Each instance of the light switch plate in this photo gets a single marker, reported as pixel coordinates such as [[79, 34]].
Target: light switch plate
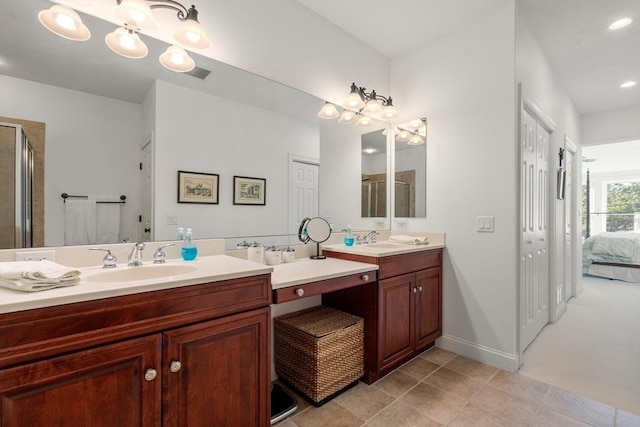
[[172, 220], [484, 224], [35, 255]]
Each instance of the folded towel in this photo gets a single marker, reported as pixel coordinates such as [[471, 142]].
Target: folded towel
[[40, 275], [413, 240]]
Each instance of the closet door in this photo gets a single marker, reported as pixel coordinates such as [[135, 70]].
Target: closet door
[[534, 223]]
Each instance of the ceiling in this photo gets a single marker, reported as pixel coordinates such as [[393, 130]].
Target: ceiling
[[590, 60]]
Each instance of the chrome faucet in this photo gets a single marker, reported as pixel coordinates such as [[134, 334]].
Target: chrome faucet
[[109, 260], [135, 257], [159, 255], [371, 237]]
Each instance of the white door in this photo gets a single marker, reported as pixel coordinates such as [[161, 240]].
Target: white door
[[303, 191], [145, 225], [534, 222]]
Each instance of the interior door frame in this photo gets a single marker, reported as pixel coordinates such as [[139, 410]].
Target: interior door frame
[[150, 142], [576, 259]]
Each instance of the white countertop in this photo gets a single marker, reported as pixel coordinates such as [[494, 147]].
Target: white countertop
[[312, 270], [209, 269], [383, 248]]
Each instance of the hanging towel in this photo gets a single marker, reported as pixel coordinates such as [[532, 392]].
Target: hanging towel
[[107, 219], [413, 240], [30, 276], [79, 222]]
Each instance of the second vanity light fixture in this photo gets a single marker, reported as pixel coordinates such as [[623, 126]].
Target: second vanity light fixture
[[136, 16], [413, 132], [356, 104]]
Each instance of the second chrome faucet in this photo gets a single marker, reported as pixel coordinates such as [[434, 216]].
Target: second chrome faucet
[[135, 257]]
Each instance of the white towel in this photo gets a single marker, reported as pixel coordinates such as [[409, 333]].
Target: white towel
[[413, 240], [79, 222], [107, 219], [30, 276]]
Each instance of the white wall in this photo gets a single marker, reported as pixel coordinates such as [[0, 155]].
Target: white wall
[[618, 125], [91, 147], [540, 84], [464, 84], [198, 132]]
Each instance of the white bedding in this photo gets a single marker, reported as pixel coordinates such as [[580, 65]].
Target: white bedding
[[621, 247]]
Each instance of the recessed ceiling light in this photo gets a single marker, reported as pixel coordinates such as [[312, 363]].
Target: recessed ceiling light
[[628, 84], [620, 23]]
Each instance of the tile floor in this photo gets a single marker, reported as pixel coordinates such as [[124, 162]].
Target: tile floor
[[440, 388]]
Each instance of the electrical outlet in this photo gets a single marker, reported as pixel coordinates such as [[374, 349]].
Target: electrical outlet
[[35, 255]]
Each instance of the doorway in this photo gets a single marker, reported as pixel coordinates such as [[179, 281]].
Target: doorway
[[303, 190]]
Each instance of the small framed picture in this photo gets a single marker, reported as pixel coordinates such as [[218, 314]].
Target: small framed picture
[[196, 187], [249, 191]]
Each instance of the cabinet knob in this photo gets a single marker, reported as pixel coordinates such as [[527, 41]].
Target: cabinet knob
[[420, 288], [175, 366], [365, 277], [150, 374], [299, 292], [415, 290]]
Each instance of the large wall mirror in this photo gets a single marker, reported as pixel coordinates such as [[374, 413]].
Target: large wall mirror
[[103, 115], [374, 191]]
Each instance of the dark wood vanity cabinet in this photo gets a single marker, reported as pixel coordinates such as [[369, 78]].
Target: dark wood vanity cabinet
[[402, 312], [196, 356]]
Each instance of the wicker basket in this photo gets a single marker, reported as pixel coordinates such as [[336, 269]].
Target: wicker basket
[[319, 351]]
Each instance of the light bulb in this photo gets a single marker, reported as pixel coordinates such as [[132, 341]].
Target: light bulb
[[347, 117], [177, 59], [328, 111], [620, 23], [415, 140], [126, 43], [64, 22], [372, 106], [364, 121]]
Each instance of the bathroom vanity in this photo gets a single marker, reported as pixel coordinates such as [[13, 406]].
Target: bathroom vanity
[[402, 310], [157, 350]]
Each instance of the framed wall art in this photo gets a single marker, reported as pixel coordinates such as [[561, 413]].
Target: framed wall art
[[197, 187], [249, 191]]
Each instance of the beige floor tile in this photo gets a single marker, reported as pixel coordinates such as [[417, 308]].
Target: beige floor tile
[[625, 419], [400, 414], [505, 404], [396, 383], [472, 368], [419, 367], [438, 355], [520, 385], [454, 382], [436, 403], [364, 401], [473, 416], [580, 407], [548, 417], [329, 415]]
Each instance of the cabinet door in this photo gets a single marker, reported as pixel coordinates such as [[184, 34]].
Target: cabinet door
[[104, 386], [395, 319], [217, 373], [428, 306]]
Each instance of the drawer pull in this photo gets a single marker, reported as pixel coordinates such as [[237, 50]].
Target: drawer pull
[[150, 374], [175, 366], [300, 292], [365, 277]]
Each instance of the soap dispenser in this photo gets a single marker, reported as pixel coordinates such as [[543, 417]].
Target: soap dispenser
[[348, 239], [189, 249]]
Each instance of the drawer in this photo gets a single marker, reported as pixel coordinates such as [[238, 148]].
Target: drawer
[[310, 289], [395, 265]]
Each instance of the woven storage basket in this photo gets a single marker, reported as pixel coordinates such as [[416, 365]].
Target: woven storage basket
[[319, 351]]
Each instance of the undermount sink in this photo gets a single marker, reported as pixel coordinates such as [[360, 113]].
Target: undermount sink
[[145, 272]]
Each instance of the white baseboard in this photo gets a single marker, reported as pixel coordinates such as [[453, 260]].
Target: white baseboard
[[490, 356]]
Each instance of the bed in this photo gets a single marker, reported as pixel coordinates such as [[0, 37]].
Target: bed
[[615, 255]]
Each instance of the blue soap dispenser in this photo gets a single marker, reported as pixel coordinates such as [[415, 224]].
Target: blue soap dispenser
[[189, 249], [348, 239]]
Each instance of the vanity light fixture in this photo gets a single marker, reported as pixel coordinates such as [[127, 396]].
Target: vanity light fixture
[[137, 16], [413, 132], [357, 103]]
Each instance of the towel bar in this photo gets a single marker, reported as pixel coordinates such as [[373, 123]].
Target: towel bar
[[65, 196]]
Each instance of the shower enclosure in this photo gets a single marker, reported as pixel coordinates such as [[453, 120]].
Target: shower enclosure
[[16, 187]]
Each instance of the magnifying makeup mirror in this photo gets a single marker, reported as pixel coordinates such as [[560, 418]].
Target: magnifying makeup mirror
[[317, 230]]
